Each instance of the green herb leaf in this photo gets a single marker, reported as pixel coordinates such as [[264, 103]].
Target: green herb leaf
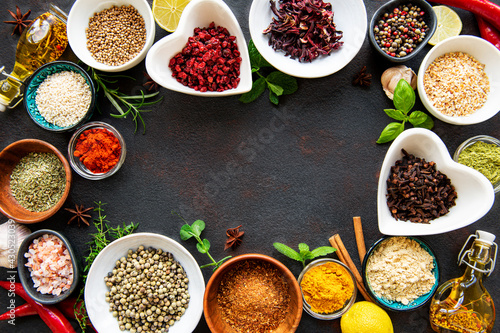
[[421, 119], [258, 88], [256, 59], [204, 246], [395, 114], [303, 247], [428, 123], [286, 82], [287, 251], [277, 90], [390, 132], [404, 96], [198, 226], [273, 98], [186, 232], [323, 251]]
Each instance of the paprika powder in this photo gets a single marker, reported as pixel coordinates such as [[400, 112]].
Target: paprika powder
[[98, 149]]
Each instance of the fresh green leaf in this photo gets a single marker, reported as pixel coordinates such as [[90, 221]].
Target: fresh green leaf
[[322, 251], [204, 246], [287, 251], [307, 255], [186, 232], [395, 114], [198, 226], [273, 98], [277, 90], [303, 247], [390, 132], [285, 81], [258, 88], [428, 123], [417, 117], [256, 59], [404, 96]]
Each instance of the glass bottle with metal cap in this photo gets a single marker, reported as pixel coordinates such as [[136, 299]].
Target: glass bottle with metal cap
[[468, 307], [43, 41]]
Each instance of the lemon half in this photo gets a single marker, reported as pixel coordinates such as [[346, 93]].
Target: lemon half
[[167, 13], [448, 24], [366, 317]]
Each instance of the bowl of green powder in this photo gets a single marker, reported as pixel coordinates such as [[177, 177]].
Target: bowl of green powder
[[481, 152], [34, 182]]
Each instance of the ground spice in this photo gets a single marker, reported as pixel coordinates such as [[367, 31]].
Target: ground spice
[[484, 157], [327, 287], [253, 297], [38, 181], [98, 149]]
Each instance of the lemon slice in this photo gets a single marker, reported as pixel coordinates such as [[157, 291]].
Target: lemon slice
[[167, 13], [448, 24]]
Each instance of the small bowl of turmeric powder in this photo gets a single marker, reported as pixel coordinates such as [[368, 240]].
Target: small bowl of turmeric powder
[[328, 288], [482, 153], [96, 150]]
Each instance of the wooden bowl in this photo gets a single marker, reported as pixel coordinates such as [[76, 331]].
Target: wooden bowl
[[212, 311], [9, 157]]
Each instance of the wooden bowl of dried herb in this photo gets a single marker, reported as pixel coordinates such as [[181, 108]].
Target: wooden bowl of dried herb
[[34, 182], [252, 292]]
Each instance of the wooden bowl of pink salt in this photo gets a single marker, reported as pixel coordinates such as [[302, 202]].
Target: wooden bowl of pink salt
[[47, 266]]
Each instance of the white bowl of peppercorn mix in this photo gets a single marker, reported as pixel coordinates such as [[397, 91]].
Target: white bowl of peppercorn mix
[[120, 286], [207, 55], [111, 36], [436, 195], [349, 23], [400, 29], [459, 80]]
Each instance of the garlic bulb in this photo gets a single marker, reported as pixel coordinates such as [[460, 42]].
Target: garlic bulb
[[12, 235], [391, 76]]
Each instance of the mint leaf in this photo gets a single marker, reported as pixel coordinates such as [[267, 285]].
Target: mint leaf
[[391, 132], [256, 59], [287, 251], [323, 251], [303, 247], [258, 88], [395, 114], [275, 88], [404, 96], [287, 82], [273, 97]]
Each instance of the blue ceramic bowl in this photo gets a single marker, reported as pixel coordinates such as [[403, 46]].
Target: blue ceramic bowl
[[38, 77], [393, 305]]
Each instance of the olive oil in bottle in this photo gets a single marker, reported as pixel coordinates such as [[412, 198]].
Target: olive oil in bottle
[[43, 41], [468, 307]]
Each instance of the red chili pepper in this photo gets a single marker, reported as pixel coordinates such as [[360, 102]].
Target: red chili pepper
[[49, 313], [19, 311], [488, 32], [484, 8]]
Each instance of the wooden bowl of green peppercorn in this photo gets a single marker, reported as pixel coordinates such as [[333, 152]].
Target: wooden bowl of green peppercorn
[[35, 180]]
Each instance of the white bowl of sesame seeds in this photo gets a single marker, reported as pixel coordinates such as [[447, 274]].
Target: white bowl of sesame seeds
[[459, 80], [111, 36]]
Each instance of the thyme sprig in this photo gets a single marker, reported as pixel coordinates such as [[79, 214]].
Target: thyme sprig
[[104, 235], [124, 104]]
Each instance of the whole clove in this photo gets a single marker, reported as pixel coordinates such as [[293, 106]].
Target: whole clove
[[417, 191], [304, 29]]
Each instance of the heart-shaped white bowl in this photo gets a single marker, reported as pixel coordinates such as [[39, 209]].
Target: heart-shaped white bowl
[[349, 17], [198, 14], [475, 195]]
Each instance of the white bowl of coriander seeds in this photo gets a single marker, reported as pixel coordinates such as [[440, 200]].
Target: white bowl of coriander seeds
[[111, 36]]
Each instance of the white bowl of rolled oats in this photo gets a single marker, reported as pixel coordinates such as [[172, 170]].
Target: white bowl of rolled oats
[[459, 80], [111, 36]]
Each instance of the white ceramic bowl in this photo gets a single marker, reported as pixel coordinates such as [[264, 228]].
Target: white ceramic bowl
[[198, 14], [78, 21], [349, 17], [95, 288], [475, 195], [484, 52]]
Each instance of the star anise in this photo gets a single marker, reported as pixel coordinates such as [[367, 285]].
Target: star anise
[[21, 20], [362, 78], [234, 237], [79, 214], [150, 84]]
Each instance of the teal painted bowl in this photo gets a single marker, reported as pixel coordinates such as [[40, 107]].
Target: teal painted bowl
[[394, 305], [38, 77]]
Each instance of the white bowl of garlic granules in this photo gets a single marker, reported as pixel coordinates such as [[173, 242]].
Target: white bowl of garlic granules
[[459, 80], [111, 36], [400, 273]]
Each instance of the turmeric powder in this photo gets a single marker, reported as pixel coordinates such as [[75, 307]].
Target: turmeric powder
[[327, 287]]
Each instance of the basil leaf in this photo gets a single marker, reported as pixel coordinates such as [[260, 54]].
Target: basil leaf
[[258, 88], [256, 59], [404, 96], [428, 123], [186, 232], [303, 247], [391, 132], [395, 114], [417, 117], [322, 251], [275, 88], [198, 226], [287, 251], [287, 82], [273, 97]]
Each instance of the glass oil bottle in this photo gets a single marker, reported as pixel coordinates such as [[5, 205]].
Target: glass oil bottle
[[43, 41], [469, 307]]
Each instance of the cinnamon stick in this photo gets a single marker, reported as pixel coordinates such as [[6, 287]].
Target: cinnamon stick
[[360, 239], [336, 242]]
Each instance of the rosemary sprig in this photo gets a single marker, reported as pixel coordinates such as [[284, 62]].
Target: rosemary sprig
[[123, 103], [104, 235]]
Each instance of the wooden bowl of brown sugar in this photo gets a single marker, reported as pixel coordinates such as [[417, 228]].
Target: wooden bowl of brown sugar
[[252, 292], [42, 177]]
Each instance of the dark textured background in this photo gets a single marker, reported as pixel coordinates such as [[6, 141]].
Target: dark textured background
[[228, 163]]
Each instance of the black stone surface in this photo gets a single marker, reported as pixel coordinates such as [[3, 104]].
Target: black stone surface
[[292, 173]]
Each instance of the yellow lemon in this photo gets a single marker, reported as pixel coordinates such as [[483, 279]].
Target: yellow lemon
[[366, 317], [167, 13], [448, 24]]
